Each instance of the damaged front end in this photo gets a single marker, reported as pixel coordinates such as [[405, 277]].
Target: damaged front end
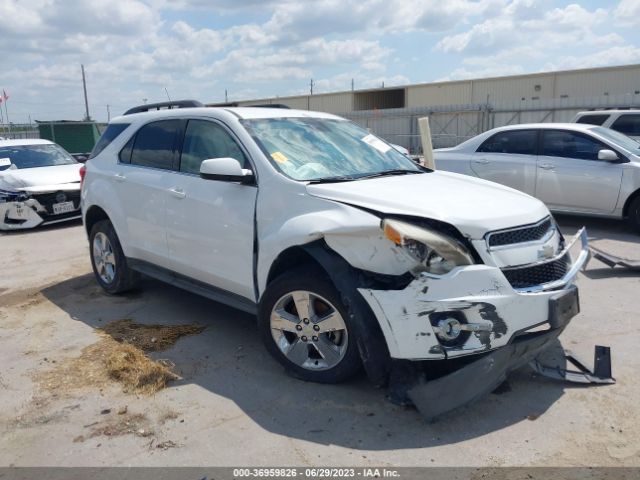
[[21, 210], [460, 326]]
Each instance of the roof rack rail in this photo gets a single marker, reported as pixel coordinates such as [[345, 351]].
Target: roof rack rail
[[168, 105], [269, 105]]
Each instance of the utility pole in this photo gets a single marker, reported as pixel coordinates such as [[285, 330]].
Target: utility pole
[[108, 114], [87, 118], [311, 86], [352, 84], [6, 111], [226, 97]]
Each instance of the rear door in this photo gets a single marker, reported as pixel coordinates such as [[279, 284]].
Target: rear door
[[509, 158], [210, 223], [141, 181], [570, 176]]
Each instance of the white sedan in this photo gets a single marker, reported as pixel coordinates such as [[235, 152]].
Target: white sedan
[[39, 183], [573, 168]]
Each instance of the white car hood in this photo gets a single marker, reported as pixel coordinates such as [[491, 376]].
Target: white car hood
[[41, 179], [474, 206]]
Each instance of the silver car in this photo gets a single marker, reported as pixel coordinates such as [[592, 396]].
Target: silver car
[[573, 168]]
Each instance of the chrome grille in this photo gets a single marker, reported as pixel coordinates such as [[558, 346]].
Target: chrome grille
[[529, 233], [534, 275]]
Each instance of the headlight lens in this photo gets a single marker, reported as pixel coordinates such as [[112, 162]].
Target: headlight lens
[[437, 253]]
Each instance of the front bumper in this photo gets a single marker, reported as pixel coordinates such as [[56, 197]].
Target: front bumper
[[30, 211], [481, 297]]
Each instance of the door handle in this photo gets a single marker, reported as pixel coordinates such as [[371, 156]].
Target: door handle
[[177, 192], [547, 166], [482, 162], [119, 177]]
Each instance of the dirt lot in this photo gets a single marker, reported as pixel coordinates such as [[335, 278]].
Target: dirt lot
[[232, 404]]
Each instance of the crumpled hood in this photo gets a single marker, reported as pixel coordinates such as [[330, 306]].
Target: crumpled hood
[[41, 179], [472, 205]]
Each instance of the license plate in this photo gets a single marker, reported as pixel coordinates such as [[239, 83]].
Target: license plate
[[64, 207], [563, 307]]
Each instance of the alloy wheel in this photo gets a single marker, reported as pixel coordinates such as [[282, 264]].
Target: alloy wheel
[[309, 330]]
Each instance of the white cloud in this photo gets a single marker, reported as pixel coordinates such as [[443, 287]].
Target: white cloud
[[628, 13], [133, 49]]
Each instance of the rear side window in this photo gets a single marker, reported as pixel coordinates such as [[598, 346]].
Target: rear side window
[[558, 143], [522, 142], [204, 140], [628, 124], [154, 144], [593, 119], [109, 135]]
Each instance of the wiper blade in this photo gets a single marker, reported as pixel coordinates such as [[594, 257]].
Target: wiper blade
[[390, 172], [333, 179]]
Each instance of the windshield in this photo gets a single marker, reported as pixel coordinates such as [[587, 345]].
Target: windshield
[[618, 138], [32, 156], [320, 148]]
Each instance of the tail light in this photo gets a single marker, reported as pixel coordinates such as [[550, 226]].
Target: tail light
[[83, 172]]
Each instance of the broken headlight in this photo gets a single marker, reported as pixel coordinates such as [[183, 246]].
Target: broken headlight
[[435, 252]]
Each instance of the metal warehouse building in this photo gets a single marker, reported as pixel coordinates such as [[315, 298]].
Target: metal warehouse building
[[461, 109]]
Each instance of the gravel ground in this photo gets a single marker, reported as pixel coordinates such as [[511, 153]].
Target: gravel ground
[[234, 406]]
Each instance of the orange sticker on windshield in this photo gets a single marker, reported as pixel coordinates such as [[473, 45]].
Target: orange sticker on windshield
[[279, 157]]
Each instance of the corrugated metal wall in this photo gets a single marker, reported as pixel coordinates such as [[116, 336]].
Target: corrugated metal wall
[[438, 94], [597, 82], [519, 88], [332, 103]]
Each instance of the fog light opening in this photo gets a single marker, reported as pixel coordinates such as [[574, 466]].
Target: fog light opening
[[449, 329]]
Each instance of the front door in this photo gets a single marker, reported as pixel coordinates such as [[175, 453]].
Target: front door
[[570, 176], [210, 223]]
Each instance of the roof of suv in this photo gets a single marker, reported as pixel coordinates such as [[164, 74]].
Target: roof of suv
[[559, 126], [607, 112], [240, 112]]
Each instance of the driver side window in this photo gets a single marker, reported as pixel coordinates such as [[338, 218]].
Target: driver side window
[[559, 143], [204, 140]]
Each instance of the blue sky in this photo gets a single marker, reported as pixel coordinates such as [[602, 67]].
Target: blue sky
[[134, 49]]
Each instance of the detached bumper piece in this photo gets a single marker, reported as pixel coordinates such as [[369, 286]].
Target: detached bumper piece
[[433, 398], [613, 261], [560, 364]]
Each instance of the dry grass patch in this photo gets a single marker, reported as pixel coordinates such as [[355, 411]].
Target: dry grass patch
[[120, 356], [150, 338]]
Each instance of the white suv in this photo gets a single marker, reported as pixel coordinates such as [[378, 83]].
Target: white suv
[[349, 253], [623, 121]]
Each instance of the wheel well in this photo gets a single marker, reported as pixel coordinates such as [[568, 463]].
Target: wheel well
[[93, 216], [291, 258], [627, 204]]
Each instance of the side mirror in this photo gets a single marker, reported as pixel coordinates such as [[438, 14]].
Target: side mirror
[[608, 156], [225, 169]]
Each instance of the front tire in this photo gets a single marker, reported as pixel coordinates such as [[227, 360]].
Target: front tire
[[305, 326], [108, 261], [634, 214]]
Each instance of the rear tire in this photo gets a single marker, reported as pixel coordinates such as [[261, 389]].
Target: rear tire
[[634, 214], [108, 261], [306, 327]]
